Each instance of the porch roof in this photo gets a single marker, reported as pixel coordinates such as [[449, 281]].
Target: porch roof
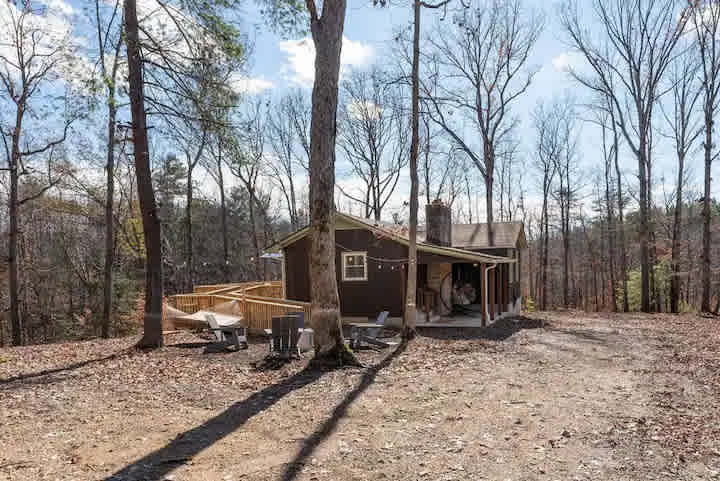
[[398, 234]]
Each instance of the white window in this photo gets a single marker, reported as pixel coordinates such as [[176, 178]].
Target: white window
[[354, 266]]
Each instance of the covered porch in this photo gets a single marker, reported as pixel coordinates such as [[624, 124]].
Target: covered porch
[[466, 294]]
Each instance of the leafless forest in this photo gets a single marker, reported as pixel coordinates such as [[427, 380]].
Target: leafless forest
[[137, 164]]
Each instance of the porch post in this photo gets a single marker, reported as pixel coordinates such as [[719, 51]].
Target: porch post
[[508, 300], [483, 300], [403, 276], [507, 286], [284, 276], [491, 294], [500, 289]]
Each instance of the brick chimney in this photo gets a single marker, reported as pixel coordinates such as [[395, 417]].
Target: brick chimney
[[438, 224]]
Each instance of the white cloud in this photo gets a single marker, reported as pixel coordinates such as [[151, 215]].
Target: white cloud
[[48, 35], [364, 110], [301, 57], [702, 21], [58, 7], [356, 53], [563, 62], [250, 85]]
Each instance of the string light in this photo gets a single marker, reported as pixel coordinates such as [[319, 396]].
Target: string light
[[376, 259], [379, 260]]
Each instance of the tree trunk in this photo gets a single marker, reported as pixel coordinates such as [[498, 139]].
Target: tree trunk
[[621, 227], [223, 219], [253, 225], [643, 230], [410, 314], [690, 258], [293, 204], [15, 321], [531, 283], [544, 234], [544, 268], [566, 248], [189, 262], [489, 180], [109, 220], [327, 36], [655, 302], [707, 215], [675, 254], [566, 269], [152, 334], [611, 229]]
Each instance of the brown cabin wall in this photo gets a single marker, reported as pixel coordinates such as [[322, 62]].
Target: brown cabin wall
[[297, 270], [383, 291]]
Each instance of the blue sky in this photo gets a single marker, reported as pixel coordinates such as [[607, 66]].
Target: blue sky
[[369, 28], [281, 63]]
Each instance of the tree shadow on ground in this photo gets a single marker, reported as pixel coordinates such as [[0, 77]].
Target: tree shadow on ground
[[497, 331], [58, 370], [587, 334], [156, 465], [209, 347], [328, 427]]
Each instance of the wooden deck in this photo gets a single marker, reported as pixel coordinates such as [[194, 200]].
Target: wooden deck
[[257, 302]]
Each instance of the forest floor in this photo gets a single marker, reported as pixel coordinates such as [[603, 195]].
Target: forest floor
[[555, 396]]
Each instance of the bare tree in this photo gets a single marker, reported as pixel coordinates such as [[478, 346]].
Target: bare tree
[[327, 30], [373, 136], [31, 57], [286, 132], [167, 61], [615, 151], [602, 118], [410, 311], [628, 65], [214, 164], [508, 164], [109, 38], [483, 61], [608, 153], [299, 110], [246, 163], [441, 168], [435, 165], [193, 148], [152, 326], [568, 185], [684, 124], [550, 144], [706, 23]]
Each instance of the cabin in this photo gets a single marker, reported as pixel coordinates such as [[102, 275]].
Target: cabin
[[462, 273]]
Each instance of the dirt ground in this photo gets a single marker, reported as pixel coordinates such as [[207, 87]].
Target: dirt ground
[[556, 396]]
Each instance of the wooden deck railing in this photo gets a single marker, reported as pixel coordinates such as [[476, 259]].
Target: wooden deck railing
[[191, 303], [265, 290], [240, 286], [213, 287], [258, 303], [259, 311]]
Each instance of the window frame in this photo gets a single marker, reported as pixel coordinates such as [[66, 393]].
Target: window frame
[[344, 257]]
